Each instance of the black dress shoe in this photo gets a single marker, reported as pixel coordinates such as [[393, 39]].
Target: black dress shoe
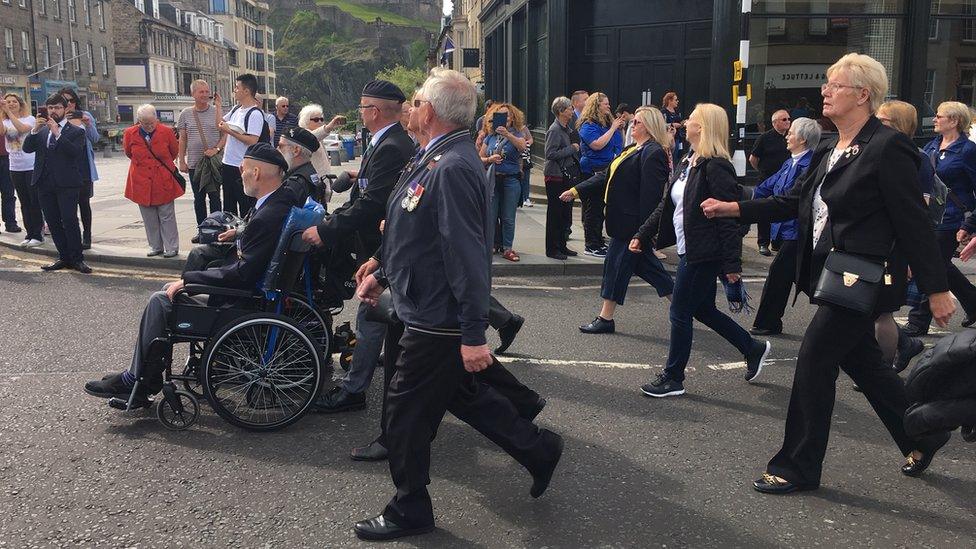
[[14, 229], [968, 321], [82, 267], [757, 331], [374, 451], [769, 484], [764, 251], [540, 405], [540, 480], [195, 239], [56, 266], [380, 528], [339, 400], [915, 468], [599, 325], [558, 255], [903, 357], [569, 252], [110, 386], [508, 332], [915, 331]]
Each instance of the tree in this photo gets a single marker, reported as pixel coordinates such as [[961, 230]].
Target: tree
[[407, 79]]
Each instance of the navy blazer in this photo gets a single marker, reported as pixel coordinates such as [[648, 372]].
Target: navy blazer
[[65, 165], [779, 184]]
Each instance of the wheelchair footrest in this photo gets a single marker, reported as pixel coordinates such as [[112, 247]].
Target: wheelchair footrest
[[123, 404]]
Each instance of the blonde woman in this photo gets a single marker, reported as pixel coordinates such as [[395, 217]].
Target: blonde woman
[[707, 248], [632, 188], [600, 143], [17, 124]]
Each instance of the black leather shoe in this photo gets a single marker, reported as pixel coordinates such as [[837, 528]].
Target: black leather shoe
[[110, 386], [82, 267], [540, 405], [340, 400], [380, 528], [915, 331], [508, 332], [764, 251], [569, 252], [913, 346], [14, 229], [915, 468], [540, 480], [56, 266], [558, 255], [599, 325], [769, 484], [757, 331], [374, 451], [968, 321]]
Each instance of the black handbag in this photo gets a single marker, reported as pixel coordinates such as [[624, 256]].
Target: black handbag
[[180, 180], [852, 281]]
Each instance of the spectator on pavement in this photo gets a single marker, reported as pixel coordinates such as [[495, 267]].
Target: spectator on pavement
[[312, 119], [244, 126], [675, 119], [600, 142], [152, 149], [201, 141], [86, 121], [501, 154], [768, 155], [561, 172], [627, 112], [17, 123]]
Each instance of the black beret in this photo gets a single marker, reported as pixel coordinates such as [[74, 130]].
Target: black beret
[[301, 136], [381, 89], [264, 152]]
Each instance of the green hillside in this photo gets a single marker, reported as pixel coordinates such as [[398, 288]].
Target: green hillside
[[370, 13]]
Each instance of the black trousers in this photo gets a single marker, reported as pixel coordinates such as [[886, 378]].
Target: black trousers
[[498, 315], [30, 206], [959, 285], [8, 195], [836, 339], [85, 211], [763, 230], [235, 201], [430, 379], [559, 214], [60, 207], [593, 217], [776, 290]]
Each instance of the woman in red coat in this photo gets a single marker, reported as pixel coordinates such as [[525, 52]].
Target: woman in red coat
[[152, 147]]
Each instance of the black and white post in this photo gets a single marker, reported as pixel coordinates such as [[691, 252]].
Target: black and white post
[[741, 89]]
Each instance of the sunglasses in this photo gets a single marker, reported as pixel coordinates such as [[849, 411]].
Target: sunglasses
[[317, 119]]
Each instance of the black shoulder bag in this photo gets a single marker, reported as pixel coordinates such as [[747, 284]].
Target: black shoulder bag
[[852, 281]]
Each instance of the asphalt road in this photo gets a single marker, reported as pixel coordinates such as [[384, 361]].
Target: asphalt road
[[636, 472]]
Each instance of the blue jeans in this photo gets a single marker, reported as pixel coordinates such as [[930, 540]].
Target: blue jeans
[[694, 297], [621, 264], [200, 199], [526, 174], [508, 189]]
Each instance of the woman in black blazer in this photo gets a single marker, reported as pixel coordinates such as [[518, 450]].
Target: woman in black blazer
[[860, 196], [632, 186], [707, 248]]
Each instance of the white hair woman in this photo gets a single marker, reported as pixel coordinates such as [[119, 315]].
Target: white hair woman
[[859, 196], [561, 171], [153, 149], [311, 118]]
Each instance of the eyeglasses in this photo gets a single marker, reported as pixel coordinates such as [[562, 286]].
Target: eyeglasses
[[418, 102], [834, 87], [362, 107], [317, 119]]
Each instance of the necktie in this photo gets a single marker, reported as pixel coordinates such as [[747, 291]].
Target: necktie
[[369, 149]]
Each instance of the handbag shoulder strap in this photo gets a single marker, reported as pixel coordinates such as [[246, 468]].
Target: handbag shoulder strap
[[203, 138], [149, 148]]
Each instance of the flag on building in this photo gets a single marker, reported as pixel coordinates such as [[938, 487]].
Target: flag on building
[[448, 51]]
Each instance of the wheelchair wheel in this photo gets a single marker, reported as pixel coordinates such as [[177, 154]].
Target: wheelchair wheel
[[968, 433], [308, 317], [174, 419], [261, 372]]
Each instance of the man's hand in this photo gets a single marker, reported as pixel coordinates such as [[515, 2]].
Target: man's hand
[[224, 128], [227, 235], [942, 306], [635, 246], [967, 253], [174, 287], [476, 358], [567, 196], [715, 208], [733, 277], [366, 269], [209, 153], [54, 128], [311, 236], [576, 146], [369, 291], [962, 235], [382, 226], [183, 166], [39, 123]]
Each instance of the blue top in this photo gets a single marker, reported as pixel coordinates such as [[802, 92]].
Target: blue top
[[512, 158], [956, 166], [780, 184], [592, 161], [91, 132]]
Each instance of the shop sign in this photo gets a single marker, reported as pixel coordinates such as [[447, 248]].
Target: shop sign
[[795, 76]]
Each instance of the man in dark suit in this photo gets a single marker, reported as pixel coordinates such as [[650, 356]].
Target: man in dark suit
[[60, 160], [262, 171], [358, 220]]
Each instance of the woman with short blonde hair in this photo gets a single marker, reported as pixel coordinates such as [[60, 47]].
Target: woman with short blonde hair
[[864, 72], [899, 115], [17, 125]]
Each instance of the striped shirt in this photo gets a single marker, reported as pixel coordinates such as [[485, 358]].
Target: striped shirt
[[194, 145]]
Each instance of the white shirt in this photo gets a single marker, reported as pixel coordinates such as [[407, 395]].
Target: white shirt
[[820, 212], [234, 149], [19, 160], [376, 136], [260, 202], [51, 136], [678, 219], [796, 157]]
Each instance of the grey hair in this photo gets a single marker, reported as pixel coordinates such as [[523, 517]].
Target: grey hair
[[303, 151], [280, 100], [195, 85], [144, 111], [307, 112], [560, 104], [452, 96], [808, 130]]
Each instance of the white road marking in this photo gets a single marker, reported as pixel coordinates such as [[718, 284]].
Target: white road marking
[[556, 362], [742, 365], [577, 288]]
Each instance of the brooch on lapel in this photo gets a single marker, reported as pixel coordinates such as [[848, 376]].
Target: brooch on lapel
[[433, 163], [852, 150]]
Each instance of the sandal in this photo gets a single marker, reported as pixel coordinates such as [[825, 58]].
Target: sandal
[[511, 256]]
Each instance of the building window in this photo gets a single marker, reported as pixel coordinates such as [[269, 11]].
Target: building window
[[56, 4], [22, 3], [100, 10], [929, 86], [75, 55], [91, 59], [8, 46], [59, 44], [25, 47], [969, 24], [104, 52], [934, 21], [46, 52], [72, 11], [87, 7], [218, 6], [42, 7], [141, 5]]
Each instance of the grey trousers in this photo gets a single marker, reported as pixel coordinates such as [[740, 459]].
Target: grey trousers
[[152, 326], [160, 222], [369, 343]]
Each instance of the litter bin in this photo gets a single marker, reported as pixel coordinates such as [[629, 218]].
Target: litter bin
[[350, 146], [334, 157]]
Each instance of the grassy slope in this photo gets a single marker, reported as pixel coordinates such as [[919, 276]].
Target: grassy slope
[[369, 14]]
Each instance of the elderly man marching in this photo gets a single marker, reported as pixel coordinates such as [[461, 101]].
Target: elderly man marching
[[436, 259]]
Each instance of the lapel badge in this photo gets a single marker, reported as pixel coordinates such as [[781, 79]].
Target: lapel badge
[[852, 150]]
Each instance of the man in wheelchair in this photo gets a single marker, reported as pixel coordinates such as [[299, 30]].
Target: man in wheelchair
[[262, 171]]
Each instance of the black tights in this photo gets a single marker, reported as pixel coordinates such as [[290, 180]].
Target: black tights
[[84, 208]]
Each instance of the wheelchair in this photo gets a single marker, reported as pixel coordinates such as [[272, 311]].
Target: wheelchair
[[257, 358]]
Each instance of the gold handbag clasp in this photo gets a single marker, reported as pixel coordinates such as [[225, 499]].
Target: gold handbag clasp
[[850, 279]]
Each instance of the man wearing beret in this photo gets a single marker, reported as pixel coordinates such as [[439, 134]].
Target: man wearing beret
[[262, 171], [386, 155], [297, 145]]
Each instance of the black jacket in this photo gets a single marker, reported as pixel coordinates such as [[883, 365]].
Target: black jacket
[[942, 387], [301, 182], [874, 201], [64, 166], [705, 239], [634, 191], [362, 214], [255, 246]]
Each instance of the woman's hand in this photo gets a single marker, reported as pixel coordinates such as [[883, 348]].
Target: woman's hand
[[962, 235], [617, 123], [716, 208], [733, 277], [568, 196], [942, 306], [503, 131], [495, 159], [635, 246], [967, 253]]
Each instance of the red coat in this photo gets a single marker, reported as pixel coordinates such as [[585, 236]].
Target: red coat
[[149, 183]]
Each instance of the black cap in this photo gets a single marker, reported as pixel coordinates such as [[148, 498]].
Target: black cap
[[381, 89], [264, 152], [301, 136]]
